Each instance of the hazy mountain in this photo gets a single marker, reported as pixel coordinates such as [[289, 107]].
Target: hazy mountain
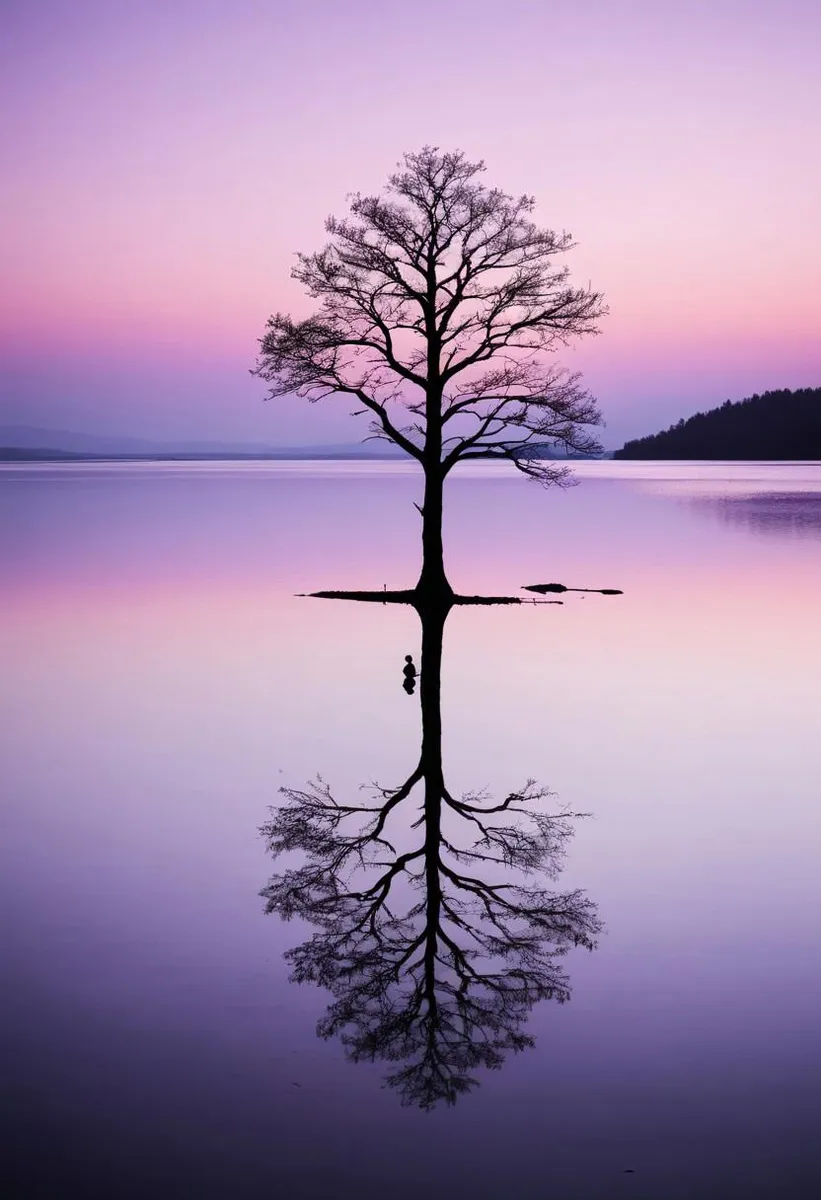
[[39, 442], [21, 442], [30, 437]]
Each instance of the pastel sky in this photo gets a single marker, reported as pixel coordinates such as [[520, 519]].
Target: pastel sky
[[163, 159]]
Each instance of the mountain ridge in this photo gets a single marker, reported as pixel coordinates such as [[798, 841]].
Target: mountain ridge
[[31, 443]]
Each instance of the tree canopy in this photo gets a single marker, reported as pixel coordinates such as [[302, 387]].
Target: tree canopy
[[441, 305]]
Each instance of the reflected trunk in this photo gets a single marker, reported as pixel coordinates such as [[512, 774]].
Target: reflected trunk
[[434, 946]]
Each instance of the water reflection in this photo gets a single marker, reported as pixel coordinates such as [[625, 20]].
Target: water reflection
[[409, 675], [790, 514], [435, 930]]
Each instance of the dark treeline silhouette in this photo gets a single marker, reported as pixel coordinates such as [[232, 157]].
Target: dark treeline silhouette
[[435, 930], [773, 425]]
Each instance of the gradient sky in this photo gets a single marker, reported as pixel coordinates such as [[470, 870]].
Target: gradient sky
[[162, 161]]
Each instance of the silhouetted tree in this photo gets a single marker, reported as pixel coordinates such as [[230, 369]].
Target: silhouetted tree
[[440, 301], [435, 950]]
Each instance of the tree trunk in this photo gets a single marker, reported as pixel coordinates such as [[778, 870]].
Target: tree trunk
[[433, 586]]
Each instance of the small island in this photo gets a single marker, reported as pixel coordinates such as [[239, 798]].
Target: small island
[[774, 425]]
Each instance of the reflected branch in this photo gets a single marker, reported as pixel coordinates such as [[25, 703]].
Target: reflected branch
[[434, 930]]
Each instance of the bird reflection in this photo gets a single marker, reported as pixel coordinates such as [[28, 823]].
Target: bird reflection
[[409, 673], [436, 930]]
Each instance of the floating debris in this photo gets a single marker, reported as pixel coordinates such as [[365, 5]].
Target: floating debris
[[560, 587]]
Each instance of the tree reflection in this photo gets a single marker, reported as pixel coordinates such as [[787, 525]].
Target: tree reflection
[[435, 930]]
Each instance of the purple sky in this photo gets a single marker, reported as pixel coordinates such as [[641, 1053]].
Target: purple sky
[[167, 157]]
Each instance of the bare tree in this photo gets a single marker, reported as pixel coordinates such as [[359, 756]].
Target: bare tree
[[441, 303]]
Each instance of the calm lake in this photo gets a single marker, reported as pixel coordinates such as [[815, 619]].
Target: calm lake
[[162, 681]]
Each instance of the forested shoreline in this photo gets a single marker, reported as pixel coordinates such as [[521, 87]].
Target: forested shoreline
[[782, 424]]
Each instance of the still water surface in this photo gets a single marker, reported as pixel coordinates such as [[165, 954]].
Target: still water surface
[[161, 682]]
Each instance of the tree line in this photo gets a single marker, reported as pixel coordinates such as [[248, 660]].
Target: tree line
[[782, 424]]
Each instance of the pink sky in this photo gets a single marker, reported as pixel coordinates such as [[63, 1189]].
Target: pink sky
[[166, 159]]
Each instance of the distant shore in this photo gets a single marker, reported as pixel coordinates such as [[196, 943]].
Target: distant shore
[[16, 455], [9, 457], [12, 454], [777, 426]]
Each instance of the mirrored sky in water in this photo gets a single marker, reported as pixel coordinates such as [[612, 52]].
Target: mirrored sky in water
[[162, 680]]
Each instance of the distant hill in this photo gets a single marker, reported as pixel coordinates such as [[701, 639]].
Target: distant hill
[[773, 425], [25, 443]]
